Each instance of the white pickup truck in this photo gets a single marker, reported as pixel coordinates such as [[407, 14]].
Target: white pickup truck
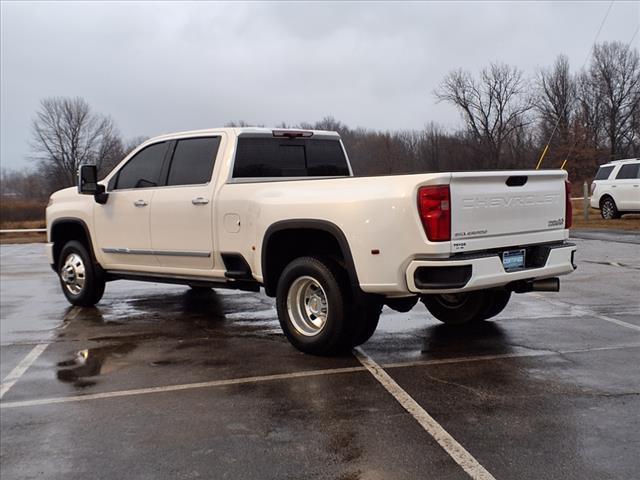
[[247, 208]]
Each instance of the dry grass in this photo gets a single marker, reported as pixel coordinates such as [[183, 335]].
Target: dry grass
[[20, 210], [24, 224], [628, 222], [19, 213], [22, 238]]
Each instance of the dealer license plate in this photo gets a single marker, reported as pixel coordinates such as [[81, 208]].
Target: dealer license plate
[[513, 260]]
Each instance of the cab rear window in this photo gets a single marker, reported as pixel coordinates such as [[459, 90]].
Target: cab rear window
[[260, 157]]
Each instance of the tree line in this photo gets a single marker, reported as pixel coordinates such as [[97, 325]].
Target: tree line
[[576, 119]]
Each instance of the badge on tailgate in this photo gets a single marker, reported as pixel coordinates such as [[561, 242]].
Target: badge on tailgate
[[513, 260]]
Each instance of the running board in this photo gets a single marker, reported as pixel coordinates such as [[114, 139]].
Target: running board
[[246, 285]]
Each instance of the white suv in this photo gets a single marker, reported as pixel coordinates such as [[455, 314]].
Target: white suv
[[616, 188]]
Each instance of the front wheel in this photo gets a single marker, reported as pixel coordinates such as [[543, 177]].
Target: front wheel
[[81, 280]]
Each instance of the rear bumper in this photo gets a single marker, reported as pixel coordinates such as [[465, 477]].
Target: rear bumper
[[482, 272]]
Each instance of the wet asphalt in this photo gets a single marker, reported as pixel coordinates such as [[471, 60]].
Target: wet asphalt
[[159, 382]]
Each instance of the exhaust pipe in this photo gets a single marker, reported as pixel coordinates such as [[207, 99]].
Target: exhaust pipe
[[544, 285]]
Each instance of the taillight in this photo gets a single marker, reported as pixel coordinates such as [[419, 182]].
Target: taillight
[[568, 216], [435, 212], [593, 188]]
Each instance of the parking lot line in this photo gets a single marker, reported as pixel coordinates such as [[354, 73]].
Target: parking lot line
[[588, 312], [500, 356], [311, 373], [15, 374], [450, 445], [185, 386], [70, 316], [614, 320]]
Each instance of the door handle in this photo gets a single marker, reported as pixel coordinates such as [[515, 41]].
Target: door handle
[[200, 201], [140, 203]]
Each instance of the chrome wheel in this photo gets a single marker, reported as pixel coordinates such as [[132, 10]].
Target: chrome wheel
[[307, 306], [73, 274]]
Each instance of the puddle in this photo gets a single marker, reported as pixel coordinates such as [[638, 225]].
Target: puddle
[[91, 363]]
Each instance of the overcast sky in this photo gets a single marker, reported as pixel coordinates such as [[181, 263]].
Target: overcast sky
[[163, 67]]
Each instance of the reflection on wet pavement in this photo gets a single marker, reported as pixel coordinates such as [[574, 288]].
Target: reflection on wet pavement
[[541, 413], [92, 362]]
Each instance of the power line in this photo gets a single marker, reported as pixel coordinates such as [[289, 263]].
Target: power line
[[564, 108], [634, 36], [627, 48]]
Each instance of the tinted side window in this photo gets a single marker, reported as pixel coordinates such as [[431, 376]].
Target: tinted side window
[[276, 157], [628, 171], [193, 160], [143, 170], [603, 173]]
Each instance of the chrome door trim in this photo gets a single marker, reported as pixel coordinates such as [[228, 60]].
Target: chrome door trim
[[168, 253]]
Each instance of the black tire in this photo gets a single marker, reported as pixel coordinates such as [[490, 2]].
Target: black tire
[[199, 288], [82, 281], [366, 314], [402, 305], [324, 276], [459, 308], [496, 303], [609, 209]]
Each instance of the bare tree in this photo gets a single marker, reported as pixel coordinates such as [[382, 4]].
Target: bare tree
[[23, 184], [555, 100], [66, 134], [588, 124], [615, 76], [111, 150], [493, 106], [133, 143], [431, 147]]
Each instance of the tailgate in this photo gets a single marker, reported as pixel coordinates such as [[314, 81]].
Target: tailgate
[[489, 204]]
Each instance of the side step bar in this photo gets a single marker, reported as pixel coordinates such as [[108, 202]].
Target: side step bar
[[246, 285]]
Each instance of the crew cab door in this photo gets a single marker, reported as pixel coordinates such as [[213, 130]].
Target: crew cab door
[[122, 223], [182, 211]]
